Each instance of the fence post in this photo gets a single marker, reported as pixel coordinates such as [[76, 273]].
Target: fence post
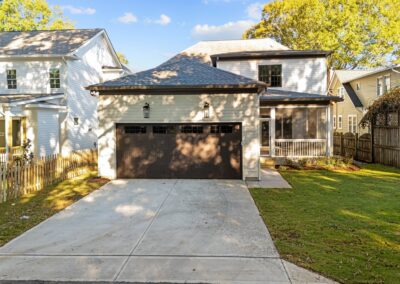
[[355, 147], [341, 144]]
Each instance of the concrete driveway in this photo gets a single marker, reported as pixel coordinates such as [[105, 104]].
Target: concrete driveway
[[150, 231]]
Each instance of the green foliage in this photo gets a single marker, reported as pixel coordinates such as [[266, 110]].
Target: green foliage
[[388, 102], [360, 33], [344, 225], [329, 163], [27, 15], [122, 58], [27, 155]]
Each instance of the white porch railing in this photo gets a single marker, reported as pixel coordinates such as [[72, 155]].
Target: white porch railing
[[300, 147]]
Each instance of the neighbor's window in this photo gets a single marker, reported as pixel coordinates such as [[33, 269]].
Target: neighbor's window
[[270, 74], [352, 127], [16, 132], [341, 92], [11, 79], [55, 78], [358, 86], [334, 122], [339, 121], [382, 85]]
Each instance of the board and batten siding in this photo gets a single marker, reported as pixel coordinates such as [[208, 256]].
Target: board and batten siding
[[299, 75], [243, 108], [80, 74]]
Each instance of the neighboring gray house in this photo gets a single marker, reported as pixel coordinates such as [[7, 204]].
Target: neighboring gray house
[[214, 111], [42, 94]]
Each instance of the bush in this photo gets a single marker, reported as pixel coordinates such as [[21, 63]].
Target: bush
[[320, 163]]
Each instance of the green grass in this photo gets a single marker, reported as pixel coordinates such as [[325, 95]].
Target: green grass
[[40, 205], [344, 225]]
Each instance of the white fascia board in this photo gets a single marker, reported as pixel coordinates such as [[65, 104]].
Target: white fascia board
[[40, 99], [46, 106]]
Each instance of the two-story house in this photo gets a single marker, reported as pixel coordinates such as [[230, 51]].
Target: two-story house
[[359, 89], [214, 110], [42, 94]]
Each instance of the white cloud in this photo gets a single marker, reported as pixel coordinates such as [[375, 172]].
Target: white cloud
[[230, 30], [254, 11], [128, 18], [79, 10], [162, 20]]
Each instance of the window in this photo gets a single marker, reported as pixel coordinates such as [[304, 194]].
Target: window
[[16, 132], [334, 122], [165, 129], [341, 92], [358, 86], [352, 123], [76, 120], [191, 129], [221, 129], [339, 121], [270, 74], [12, 79], [55, 78], [135, 129], [382, 85]]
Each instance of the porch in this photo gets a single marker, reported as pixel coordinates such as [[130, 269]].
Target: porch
[[12, 135], [295, 125]]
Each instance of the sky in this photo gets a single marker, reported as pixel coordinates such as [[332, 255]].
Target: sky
[[149, 32]]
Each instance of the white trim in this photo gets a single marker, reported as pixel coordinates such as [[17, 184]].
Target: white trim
[[40, 99], [340, 125], [300, 140], [37, 56], [353, 123], [46, 106], [272, 132]]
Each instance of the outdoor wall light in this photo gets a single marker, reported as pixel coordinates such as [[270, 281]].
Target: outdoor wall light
[[206, 110], [146, 110]]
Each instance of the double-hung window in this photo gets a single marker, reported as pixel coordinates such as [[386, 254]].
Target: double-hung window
[[270, 74], [11, 79], [334, 122], [339, 121], [352, 123], [55, 81], [382, 85]]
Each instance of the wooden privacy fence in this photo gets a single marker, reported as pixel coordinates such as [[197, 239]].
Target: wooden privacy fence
[[386, 145], [20, 177], [353, 146]]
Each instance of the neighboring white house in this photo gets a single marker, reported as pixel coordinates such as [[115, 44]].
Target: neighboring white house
[[214, 110], [42, 94]]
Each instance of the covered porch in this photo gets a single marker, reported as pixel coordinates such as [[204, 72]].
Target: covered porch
[[295, 125]]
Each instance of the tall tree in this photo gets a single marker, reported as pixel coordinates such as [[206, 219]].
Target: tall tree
[[361, 33], [26, 15]]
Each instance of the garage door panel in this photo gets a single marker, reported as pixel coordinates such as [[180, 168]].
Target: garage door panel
[[179, 151]]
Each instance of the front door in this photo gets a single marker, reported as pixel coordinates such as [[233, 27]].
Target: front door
[[265, 138]]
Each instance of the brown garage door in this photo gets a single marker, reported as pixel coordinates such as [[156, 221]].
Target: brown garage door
[[179, 151]]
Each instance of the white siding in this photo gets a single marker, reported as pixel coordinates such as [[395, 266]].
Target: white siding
[[32, 76], [299, 75], [82, 73], [242, 108], [48, 129]]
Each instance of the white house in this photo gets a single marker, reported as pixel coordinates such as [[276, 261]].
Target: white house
[[42, 94], [214, 111]]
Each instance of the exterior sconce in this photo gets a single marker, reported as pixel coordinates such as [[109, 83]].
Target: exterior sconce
[[146, 110], [206, 110]]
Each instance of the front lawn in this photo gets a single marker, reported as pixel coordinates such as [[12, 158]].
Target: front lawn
[[344, 225], [18, 216]]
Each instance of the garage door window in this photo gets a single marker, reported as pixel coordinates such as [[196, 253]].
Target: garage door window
[[164, 129], [135, 129], [221, 129], [192, 129]]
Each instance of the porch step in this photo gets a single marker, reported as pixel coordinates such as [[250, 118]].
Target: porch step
[[267, 162]]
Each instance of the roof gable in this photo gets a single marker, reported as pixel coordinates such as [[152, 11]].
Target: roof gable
[[44, 43]]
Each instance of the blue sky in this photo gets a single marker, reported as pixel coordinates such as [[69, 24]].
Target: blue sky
[[149, 32]]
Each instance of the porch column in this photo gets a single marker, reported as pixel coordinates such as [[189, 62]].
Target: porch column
[[272, 127], [329, 136], [8, 134]]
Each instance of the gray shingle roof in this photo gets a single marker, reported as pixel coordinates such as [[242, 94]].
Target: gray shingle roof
[[57, 42], [274, 95], [180, 72], [352, 94]]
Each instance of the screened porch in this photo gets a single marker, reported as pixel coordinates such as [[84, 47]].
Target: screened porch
[[295, 131]]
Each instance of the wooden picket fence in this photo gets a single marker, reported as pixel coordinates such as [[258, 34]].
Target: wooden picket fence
[[21, 177], [353, 146]]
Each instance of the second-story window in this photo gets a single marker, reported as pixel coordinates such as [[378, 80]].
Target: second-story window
[[341, 92], [11, 79], [270, 74], [55, 78], [382, 85]]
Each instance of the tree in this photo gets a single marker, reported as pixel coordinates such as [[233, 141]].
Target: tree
[[122, 58], [26, 15], [360, 33]]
